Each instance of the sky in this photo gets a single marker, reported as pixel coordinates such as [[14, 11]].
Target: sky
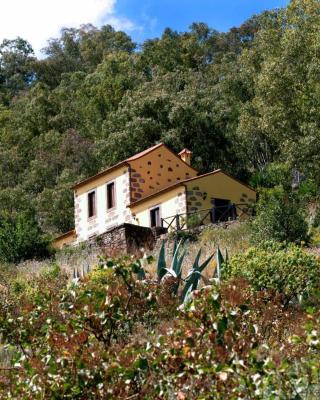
[[39, 20]]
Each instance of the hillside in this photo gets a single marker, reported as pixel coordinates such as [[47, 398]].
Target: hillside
[[246, 101]]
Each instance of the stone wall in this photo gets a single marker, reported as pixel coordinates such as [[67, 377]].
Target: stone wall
[[127, 239]]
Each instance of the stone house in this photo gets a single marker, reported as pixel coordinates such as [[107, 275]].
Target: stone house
[[148, 189]]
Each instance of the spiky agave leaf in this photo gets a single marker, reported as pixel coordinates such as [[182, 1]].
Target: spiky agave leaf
[[179, 264], [194, 275], [205, 263], [169, 271], [196, 261], [176, 260], [161, 265], [202, 267], [192, 281], [220, 262], [194, 278], [186, 294], [175, 246], [141, 274]]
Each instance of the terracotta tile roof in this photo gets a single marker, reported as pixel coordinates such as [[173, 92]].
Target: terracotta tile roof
[[144, 152]]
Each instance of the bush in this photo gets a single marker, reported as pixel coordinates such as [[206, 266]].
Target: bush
[[287, 270], [21, 238], [280, 217], [272, 175]]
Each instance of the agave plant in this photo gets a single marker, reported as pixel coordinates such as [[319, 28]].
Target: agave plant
[[192, 280], [194, 276], [175, 268]]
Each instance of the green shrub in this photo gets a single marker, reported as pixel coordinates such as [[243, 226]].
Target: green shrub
[[273, 175], [280, 216], [287, 270], [194, 220], [308, 190], [21, 238]]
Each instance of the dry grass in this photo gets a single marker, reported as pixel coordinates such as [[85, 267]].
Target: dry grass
[[234, 239]]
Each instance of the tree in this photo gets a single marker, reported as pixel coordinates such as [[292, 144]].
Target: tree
[[183, 109], [80, 49], [21, 238], [280, 217], [16, 67], [281, 119]]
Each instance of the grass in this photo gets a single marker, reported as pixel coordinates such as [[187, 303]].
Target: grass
[[235, 238]]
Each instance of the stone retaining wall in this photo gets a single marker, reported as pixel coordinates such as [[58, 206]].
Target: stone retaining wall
[[127, 239]]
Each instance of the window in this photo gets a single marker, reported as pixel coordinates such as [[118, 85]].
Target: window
[[111, 195], [155, 219], [92, 204]]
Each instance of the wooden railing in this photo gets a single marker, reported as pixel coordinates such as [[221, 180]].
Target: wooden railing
[[214, 215]]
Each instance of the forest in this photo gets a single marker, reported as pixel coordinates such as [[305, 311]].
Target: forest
[[246, 101]]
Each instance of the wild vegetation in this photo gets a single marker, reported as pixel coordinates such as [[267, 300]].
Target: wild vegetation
[[117, 335]]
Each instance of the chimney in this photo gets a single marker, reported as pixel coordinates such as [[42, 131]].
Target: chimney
[[185, 156]]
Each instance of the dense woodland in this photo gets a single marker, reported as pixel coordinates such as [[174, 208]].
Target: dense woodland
[[247, 101]]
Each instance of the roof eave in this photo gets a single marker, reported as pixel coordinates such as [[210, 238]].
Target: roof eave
[[99, 175]]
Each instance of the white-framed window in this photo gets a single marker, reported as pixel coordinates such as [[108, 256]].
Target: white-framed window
[[155, 216], [92, 204], [111, 195]]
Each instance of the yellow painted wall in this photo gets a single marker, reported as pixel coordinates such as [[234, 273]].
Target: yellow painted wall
[[171, 203], [157, 170], [65, 240], [202, 192]]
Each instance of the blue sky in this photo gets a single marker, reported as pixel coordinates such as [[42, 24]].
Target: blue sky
[[39, 20], [150, 17]]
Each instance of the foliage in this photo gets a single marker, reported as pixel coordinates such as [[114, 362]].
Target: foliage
[[21, 238], [194, 220], [280, 216], [63, 116], [280, 120], [111, 336], [274, 174], [275, 267]]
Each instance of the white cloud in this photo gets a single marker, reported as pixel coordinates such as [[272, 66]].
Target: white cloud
[[39, 20]]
